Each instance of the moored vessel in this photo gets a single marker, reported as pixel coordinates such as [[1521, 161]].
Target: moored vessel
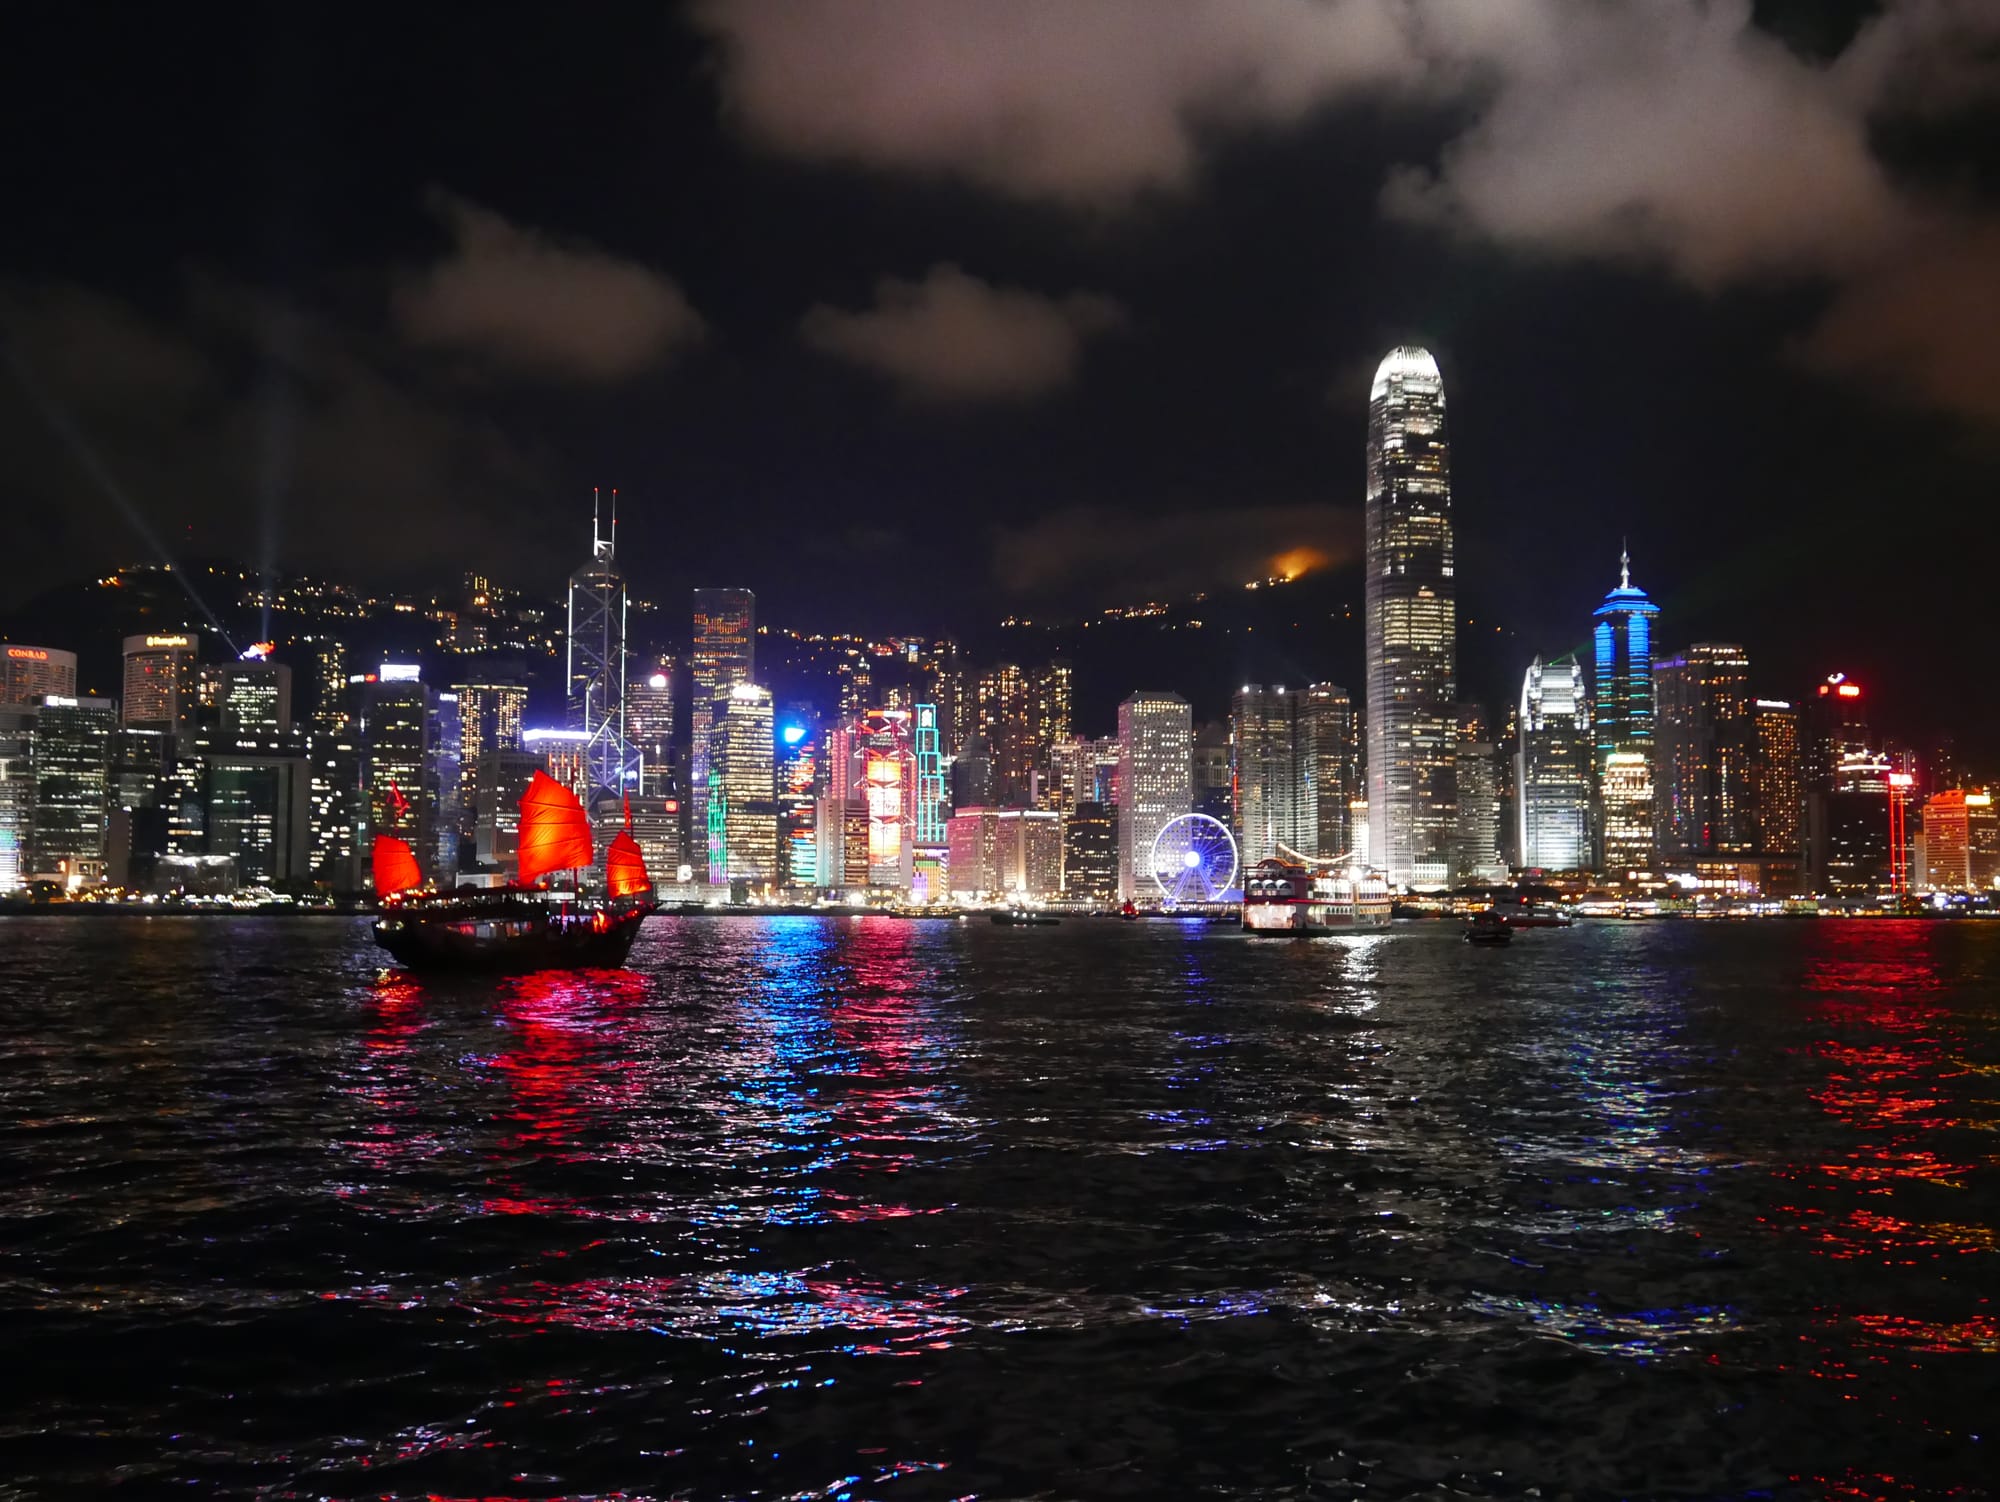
[[1521, 910], [529, 924], [1291, 898]]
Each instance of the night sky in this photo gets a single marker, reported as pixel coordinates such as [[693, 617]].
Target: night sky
[[914, 314]]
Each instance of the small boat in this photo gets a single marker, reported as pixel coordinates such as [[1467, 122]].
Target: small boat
[[527, 924], [1489, 928], [1021, 917], [1129, 912]]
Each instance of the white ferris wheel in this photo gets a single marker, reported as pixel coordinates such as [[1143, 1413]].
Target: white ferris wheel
[[1194, 860]]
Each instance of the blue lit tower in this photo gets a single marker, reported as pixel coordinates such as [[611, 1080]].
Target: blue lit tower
[[596, 663], [1622, 723], [1412, 624], [930, 778]]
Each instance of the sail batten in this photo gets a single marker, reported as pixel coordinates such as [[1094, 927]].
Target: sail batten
[[555, 831], [395, 866], [625, 873]]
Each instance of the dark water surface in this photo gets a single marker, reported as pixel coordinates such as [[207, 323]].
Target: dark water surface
[[805, 1208]]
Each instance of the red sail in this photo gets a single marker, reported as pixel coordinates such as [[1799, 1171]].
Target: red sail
[[625, 867], [555, 834], [395, 866]]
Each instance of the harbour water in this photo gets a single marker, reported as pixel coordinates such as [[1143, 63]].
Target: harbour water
[[808, 1208]]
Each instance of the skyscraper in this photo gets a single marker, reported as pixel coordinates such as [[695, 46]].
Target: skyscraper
[[1622, 724], [1269, 777], [1705, 785], [1330, 750], [724, 654], [160, 681], [1780, 793], [27, 673], [72, 772], [1156, 741], [649, 722], [397, 731], [742, 817], [1411, 625], [1552, 767], [255, 698], [595, 667]]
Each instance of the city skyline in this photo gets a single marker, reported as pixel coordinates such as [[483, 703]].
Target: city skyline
[[349, 366]]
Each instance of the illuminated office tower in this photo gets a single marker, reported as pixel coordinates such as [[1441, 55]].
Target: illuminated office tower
[[1780, 789], [1411, 626], [1476, 843], [1051, 706], [72, 775], [1267, 774], [27, 673], [943, 680], [1006, 851], [1552, 767], [254, 698], [1330, 750], [1090, 851], [649, 723], [872, 767], [1705, 766], [724, 654], [334, 776], [1961, 841], [1154, 786], [1214, 785], [742, 813], [1007, 724], [491, 715], [260, 808], [1834, 729], [1084, 769], [330, 707], [1622, 724], [595, 668], [161, 683], [800, 772], [927, 748], [17, 792], [396, 729]]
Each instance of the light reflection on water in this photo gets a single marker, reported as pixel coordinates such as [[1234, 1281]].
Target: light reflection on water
[[804, 1208]]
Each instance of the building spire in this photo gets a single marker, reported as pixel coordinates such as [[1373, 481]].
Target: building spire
[[1625, 563]]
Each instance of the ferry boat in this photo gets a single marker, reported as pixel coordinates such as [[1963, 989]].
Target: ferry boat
[[1290, 898], [528, 924]]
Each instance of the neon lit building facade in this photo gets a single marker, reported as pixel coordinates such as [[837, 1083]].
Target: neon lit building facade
[[724, 655], [1961, 841], [161, 682], [928, 749], [1623, 724], [1552, 767], [1411, 625]]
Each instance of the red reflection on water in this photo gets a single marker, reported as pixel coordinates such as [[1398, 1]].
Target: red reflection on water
[[1887, 1052]]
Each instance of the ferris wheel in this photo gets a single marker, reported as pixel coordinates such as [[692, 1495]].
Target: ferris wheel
[[1194, 859]]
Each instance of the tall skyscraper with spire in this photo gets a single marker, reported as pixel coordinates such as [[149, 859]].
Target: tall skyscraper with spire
[[596, 661], [1412, 623], [1622, 723]]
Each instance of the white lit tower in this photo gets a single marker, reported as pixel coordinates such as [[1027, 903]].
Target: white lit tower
[[596, 662], [1412, 625]]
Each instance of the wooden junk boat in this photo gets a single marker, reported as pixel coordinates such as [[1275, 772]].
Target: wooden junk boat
[[527, 924]]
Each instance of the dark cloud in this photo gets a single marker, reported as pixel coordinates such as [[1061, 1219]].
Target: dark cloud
[[546, 306], [1924, 328], [1122, 556], [221, 417], [954, 337], [1041, 98], [1675, 135]]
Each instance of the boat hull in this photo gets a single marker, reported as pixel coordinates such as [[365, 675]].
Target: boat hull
[[1298, 920], [447, 942]]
